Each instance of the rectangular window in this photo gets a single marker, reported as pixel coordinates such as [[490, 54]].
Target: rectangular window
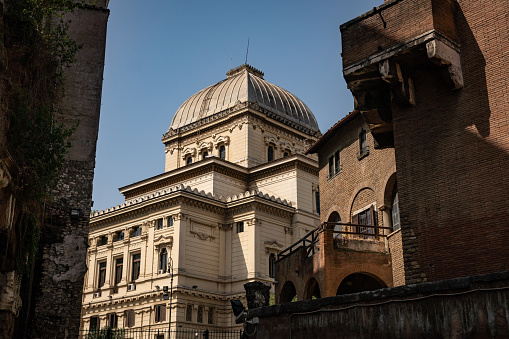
[[136, 266], [119, 264], [103, 240], [331, 167], [189, 313], [240, 227], [366, 217], [211, 315], [170, 221], [160, 313], [200, 314], [159, 224], [94, 323], [112, 320], [163, 260], [118, 236], [129, 318], [102, 274], [363, 144], [136, 232], [337, 165], [317, 201], [272, 265]]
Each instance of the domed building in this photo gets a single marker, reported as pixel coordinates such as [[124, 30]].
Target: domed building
[[236, 190]]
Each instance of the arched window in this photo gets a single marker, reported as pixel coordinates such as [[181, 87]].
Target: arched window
[[396, 224], [163, 259], [272, 265], [189, 160], [286, 154], [204, 155], [270, 153], [334, 217], [222, 152]]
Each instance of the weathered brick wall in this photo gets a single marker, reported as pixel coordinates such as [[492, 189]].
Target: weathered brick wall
[[405, 19], [330, 266], [474, 307], [60, 266], [452, 146], [398, 263], [452, 156]]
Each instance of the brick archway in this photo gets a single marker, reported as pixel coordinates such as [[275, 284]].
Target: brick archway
[[360, 282], [312, 289], [288, 292]]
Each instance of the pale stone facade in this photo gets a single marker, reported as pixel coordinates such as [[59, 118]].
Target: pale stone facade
[[237, 189]]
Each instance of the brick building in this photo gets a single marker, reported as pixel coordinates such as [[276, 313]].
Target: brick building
[[357, 187], [430, 79]]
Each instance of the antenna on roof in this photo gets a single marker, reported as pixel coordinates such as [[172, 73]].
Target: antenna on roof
[[247, 50]]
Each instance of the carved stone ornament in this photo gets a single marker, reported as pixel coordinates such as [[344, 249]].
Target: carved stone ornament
[[164, 241], [188, 151], [223, 139], [254, 221], [288, 230], [272, 246], [205, 146], [202, 235], [287, 146], [225, 227], [178, 216], [271, 140]]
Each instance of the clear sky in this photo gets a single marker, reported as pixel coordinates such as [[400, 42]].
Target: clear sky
[[160, 52]]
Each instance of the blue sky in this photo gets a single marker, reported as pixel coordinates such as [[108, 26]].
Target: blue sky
[[160, 52]]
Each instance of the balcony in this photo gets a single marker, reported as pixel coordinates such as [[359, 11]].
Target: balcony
[[384, 45], [330, 255]]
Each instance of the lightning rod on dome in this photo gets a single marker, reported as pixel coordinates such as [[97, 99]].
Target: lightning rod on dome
[[247, 49]]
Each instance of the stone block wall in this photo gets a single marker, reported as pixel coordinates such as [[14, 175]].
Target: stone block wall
[[473, 307], [60, 267]]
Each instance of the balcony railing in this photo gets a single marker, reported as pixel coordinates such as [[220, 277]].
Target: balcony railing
[[350, 231], [309, 242]]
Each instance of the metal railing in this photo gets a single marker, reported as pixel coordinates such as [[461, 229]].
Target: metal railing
[[132, 333], [309, 242]]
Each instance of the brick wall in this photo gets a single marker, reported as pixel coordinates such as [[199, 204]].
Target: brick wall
[[360, 182], [452, 146], [452, 166]]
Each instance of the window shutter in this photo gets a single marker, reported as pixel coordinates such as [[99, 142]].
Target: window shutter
[[355, 220]]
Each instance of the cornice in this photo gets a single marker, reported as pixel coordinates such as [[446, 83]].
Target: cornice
[[247, 201]]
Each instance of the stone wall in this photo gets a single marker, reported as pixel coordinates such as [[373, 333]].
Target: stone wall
[[472, 307], [60, 266]]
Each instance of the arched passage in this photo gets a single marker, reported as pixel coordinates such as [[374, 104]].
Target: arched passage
[[334, 217], [288, 292], [359, 282], [312, 289]]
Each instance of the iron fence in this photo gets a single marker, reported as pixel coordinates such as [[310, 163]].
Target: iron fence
[[128, 333]]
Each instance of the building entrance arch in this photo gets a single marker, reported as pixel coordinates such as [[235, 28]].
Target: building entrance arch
[[288, 292], [312, 289], [360, 282]]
